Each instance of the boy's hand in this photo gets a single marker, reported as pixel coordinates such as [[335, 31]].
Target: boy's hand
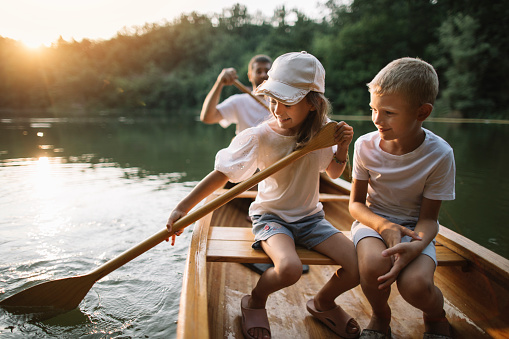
[[393, 233], [228, 76], [174, 216], [402, 254], [343, 135]]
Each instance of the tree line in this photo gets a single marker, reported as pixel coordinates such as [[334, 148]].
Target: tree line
[[168, 68]]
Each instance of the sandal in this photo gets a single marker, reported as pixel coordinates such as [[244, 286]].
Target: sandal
[[374, 334], [336, 319], [443, 319], [253, 317]]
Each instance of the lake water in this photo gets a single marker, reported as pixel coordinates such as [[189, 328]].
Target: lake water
[[77, 193]]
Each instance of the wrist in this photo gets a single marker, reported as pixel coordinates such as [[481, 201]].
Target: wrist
[[339, 160]]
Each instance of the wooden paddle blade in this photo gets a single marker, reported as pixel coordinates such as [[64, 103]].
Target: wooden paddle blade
[[323, 139], [51, 298]]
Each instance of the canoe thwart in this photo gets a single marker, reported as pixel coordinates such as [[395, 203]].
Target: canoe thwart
[[233, 244]]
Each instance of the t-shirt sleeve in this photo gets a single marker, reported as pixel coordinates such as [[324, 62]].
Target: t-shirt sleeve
[[239, 160], [228, 110], [440, 184], [359, 171]]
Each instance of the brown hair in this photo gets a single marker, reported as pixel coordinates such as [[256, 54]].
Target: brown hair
[[257, 58], [315, 120]]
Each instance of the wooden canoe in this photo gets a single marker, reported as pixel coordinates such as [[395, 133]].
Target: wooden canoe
[[474, 281]]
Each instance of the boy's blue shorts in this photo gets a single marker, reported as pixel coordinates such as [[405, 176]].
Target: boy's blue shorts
[[308, 231], [361, 231]]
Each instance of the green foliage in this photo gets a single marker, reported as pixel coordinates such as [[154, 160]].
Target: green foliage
[[170, 67]]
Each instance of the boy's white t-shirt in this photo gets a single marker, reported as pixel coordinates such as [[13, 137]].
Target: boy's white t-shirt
[[291, 193], [243, 110], [397, 183]]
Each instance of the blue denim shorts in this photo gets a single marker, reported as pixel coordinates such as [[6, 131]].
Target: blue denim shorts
[[361, 231], [308, 231]]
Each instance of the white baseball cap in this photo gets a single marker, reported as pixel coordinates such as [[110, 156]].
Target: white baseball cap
[[292, 76]]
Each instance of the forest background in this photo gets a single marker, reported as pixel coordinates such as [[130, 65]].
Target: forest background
[[168, 68]]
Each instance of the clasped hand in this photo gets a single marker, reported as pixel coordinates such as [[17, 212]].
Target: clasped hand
[[401, 254], [343, 135]]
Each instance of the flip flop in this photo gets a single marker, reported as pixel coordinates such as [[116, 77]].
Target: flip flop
[[253, 317], [336, 319], [428, 335]]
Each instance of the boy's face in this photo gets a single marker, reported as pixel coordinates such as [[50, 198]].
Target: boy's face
[[394, 117], [259, 72]]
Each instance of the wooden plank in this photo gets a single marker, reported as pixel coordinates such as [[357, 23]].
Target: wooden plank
[[489, 263], [233, 244], [193, 299], [324, 197]]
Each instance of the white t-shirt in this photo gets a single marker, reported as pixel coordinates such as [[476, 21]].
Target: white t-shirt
[[243, 110], [397, 183], [291, 193]]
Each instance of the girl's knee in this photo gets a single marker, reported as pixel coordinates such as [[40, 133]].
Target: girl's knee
[[289, 271]]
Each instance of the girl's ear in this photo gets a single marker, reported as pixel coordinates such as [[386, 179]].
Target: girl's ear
[[424, 111]]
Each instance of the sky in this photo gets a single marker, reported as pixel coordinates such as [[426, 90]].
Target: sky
[[36, 22]]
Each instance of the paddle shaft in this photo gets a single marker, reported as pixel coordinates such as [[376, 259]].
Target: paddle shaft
[[323, 139], [243, 88]]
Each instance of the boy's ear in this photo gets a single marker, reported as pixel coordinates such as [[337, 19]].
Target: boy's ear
[[424, 111]]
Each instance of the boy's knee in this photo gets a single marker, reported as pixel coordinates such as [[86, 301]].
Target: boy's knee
[[415, 287], [370, 271]]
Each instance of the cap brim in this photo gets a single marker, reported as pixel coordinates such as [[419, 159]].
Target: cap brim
[[284, 93]]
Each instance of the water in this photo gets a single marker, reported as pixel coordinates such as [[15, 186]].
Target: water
[[75, 195], [78, 193]]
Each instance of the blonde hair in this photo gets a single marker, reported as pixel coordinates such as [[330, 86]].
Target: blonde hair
[[315, 119], [411, 77]]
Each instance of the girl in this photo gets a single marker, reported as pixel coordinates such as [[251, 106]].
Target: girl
[[286, 210]]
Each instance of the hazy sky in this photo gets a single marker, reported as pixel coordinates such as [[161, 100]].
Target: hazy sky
[[38, 22]]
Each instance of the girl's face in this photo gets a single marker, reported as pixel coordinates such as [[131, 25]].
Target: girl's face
[[289, 118]]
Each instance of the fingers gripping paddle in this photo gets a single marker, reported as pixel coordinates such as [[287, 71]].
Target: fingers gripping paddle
[[65, 294]]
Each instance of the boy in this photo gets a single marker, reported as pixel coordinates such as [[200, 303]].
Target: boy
[[239, 109], [401, 174]]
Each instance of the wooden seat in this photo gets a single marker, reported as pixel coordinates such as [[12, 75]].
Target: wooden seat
[[233, 244]]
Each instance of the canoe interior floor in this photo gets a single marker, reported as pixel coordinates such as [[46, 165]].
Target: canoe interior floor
[[228, 282]]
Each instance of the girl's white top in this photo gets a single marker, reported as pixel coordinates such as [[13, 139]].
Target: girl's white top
[[293, 192]]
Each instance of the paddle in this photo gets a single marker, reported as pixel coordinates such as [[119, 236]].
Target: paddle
[[53, 297], [244, 89]]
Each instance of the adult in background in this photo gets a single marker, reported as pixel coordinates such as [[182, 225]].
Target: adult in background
[[239, 109]]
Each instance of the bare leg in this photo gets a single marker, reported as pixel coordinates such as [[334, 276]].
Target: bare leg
[[342, 251], [371, 266], [417, 287], [286, 271]]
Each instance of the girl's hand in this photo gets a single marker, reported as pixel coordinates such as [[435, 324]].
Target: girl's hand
[[174, 216], [343, 135]]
